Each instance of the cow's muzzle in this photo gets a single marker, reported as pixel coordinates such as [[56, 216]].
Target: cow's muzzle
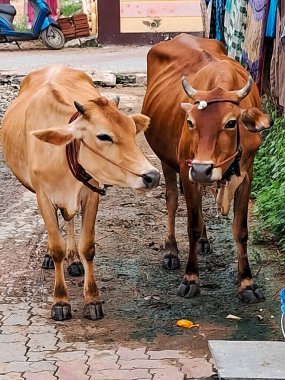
[[202, 173], [151, 179]]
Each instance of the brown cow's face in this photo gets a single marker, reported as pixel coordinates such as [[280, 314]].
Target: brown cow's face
[[213, 135], [112, 134]]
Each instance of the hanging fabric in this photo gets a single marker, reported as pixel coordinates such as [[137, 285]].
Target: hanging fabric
[[206, 9], [54, 6], [235, 26], [220, 15], [283, 39], [271, 19], [277, 70], [253, 54]]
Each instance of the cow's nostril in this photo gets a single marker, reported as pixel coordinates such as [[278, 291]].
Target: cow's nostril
[[151, 179], [147, 179], [208, 170]]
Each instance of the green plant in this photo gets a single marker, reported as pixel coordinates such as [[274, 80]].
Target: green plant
[[269, 179], [68, 8], [21, 25]]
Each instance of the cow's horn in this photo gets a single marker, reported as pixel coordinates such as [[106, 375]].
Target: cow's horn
[[246, 89], [116, 99], [190, 91], [79, 107]]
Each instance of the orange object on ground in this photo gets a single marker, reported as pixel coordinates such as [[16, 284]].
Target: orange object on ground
[[186, 324]]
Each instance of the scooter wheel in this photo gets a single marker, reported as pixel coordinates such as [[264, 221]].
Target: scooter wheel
[[53, 38]]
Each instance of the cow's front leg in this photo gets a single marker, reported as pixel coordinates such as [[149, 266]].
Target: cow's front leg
[[190, 286], [61, 309], [170, 260], [92, 305], [75, 267], [248, 291]]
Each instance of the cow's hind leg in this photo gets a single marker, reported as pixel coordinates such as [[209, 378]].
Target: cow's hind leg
[[61, 309], [248, 291], [93, 306], [170, 260], [75, 267]]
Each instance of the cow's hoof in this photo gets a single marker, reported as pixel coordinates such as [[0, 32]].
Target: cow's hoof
[[204, 246], [61, 312], [48, 262], [76, 269], [93, 311], [251, 294], [188, 289], [171, 262]]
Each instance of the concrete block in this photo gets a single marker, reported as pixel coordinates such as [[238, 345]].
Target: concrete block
[[126, 78], [88, 41], [236, 360], [103, 78], [72, 43], [141, 79]]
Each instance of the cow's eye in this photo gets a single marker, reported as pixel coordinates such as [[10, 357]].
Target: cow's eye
[[104, 137], [190, 123], [231, 124]]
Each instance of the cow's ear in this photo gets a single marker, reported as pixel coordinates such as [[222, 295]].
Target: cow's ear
[[141, 122], [187, 107], [55, 136], [255, 120]]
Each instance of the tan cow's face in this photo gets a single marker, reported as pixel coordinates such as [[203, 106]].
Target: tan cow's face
[[213, 136], [112, 134]]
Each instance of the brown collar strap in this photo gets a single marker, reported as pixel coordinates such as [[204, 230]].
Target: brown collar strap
[[72, 151]]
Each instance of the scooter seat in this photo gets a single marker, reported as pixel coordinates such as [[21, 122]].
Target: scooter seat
[[7, 9]]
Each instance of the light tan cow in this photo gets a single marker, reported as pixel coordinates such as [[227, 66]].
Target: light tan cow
[[38, 137]]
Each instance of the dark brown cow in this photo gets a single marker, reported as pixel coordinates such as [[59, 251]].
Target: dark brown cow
[[214, 143]]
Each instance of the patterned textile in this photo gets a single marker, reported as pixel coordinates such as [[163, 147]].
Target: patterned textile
[[220, 14], [213, 18], [277, 70], [235, 26], [252, 56]]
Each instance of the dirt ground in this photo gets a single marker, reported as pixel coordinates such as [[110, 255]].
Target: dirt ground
[[141, 304]]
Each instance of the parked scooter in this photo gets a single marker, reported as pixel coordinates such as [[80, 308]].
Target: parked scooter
[[44, 27]]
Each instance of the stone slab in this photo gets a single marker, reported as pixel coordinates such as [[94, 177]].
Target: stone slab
[[236, 360], [102, 78]]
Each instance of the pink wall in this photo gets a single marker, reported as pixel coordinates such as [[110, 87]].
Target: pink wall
[[161, 9]]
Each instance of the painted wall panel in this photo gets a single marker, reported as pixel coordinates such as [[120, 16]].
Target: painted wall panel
[[166, 24], [160, 9], [161, 16]]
